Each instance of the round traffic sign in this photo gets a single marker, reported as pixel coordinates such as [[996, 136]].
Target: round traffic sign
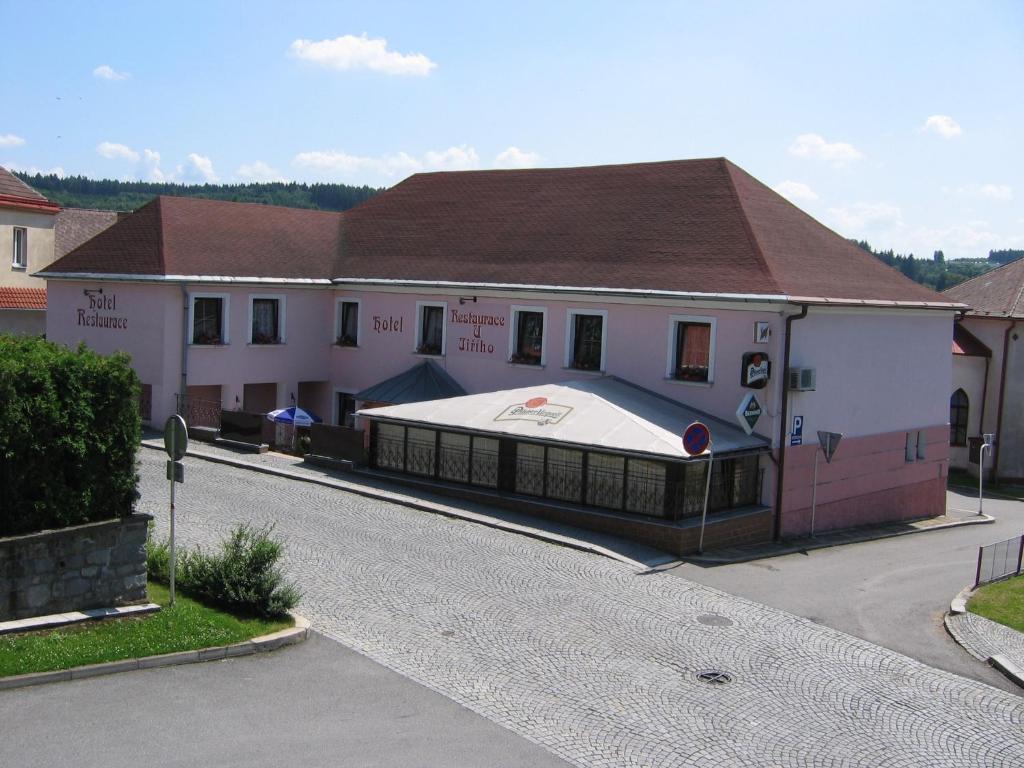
[[696, 439], [175, 437]]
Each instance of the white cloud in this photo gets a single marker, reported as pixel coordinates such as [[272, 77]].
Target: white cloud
[[112, 151], [351, 52], [151, 166], [944, 125], [795, 191], [10, 140], [343, 165], [839, 153], [987, 191], [199, 168], [514, 157], [57, 170], [860, 219], [258, 171], [107, 72]]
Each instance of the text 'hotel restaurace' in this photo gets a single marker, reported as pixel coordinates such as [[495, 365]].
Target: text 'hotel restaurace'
[[543, 337]]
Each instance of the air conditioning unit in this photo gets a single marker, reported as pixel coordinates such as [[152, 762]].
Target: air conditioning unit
[[801, 379]]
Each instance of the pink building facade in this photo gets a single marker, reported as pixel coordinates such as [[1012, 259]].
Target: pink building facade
[[880, 366]]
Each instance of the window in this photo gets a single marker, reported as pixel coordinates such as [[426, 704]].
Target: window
[[691, 348], [645, 487], [484, 465], [347, 330], [605, 475], [453, 462], [585, 345], [19, 254], [430, 335], [346, 410], [526, 336], [910, 452], [530, 469], [209, 320], [389, 446], [959, 408], [565, 474], [266, 320], [420, 451]]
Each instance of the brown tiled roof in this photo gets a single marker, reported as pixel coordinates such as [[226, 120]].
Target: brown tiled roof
[[996, 293], [15, 193], [76, 225], [22, 298], [966, 343], [193, 236], [702, 226]]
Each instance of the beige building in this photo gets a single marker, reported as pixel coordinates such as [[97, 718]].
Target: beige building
[[34, 232], [988, 373]]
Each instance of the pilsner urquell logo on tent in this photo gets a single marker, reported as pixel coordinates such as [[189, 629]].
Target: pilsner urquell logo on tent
[[536, 409]]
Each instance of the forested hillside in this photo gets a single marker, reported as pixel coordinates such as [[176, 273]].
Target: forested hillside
[[937, 273], [109, 194]]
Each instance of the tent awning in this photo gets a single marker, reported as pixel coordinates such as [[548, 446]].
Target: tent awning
[[605, 413], [425, 381]]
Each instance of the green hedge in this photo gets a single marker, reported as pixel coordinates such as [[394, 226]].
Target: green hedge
[[69, 433]]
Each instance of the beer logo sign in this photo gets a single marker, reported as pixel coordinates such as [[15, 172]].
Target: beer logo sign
[[536, 409]]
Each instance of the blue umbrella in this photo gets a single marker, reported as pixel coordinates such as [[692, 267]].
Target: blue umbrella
[[293, 415]]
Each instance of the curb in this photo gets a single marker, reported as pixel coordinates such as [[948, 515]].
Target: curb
[[291, 636], [809, 544], [958, 606], [423, 506]]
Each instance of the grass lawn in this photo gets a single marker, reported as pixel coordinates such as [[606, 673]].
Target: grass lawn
[[187, 626], [1002, 602], [960, 480]]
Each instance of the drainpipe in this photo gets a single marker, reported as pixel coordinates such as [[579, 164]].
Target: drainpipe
[[184, 341], [999, 410], [785, 419]]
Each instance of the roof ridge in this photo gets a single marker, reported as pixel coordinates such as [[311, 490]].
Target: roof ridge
[[747, 227]]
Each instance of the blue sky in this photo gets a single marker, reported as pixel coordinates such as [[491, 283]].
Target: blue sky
[[899, 122]]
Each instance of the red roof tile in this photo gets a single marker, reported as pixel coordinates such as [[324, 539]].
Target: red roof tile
[[15, 193], [996, 293], [22, 298], [76, 225]]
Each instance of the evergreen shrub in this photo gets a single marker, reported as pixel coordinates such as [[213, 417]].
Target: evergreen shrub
[[69, 433]]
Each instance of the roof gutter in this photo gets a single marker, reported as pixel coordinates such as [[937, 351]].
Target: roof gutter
[[219, 279], [784, 419]]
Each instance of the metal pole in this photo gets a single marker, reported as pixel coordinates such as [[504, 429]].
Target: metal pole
[[174, 450], [814, 491], [707, 493], [981, 476]]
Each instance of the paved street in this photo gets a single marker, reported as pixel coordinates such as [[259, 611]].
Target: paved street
[[586, 657], [892, 592]]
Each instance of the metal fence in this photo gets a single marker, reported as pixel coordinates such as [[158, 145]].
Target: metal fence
[[198, 412], [999, 561]]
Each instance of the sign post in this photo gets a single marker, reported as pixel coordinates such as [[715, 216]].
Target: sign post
[[175, 444], [697, 441], [828, 442], [987, 441]]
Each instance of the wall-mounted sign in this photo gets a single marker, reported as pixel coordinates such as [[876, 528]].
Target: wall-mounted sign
[[478, 321], [100, 302], [749, 412], [829, 441], [756, 370], [762, 332], [796, 435], [536, 409]]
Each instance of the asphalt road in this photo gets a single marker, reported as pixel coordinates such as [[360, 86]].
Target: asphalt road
[[892, 592], [315, 704]]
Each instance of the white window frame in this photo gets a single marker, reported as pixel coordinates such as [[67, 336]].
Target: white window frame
[[570, 328], [419, 322], [337, 318], [23, 264], [670, 355], [281, 318], [513, 329], [225, 317]]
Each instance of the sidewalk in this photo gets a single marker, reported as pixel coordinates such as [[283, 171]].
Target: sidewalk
[[988, 640], [637, 555]]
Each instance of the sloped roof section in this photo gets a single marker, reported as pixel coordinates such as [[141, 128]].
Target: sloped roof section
[[996, 293], [15, 193], [692, 226], [192, 236], [76, 225], [605, 412], [967, 344], [22, 298], [426, 381]]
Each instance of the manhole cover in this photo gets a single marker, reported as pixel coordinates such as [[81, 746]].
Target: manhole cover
[[714, 677], [714, 620]]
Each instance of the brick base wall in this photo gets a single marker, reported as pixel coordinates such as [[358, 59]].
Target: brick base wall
[[98, 565]]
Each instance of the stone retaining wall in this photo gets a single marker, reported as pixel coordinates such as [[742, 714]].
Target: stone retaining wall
[[97, 565]]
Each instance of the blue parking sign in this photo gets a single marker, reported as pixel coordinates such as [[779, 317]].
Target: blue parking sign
[[796, 435]]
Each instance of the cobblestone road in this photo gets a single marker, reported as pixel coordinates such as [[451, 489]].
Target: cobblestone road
[[586, 657]]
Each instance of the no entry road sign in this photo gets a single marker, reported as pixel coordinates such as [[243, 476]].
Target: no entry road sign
[[696, 439]]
